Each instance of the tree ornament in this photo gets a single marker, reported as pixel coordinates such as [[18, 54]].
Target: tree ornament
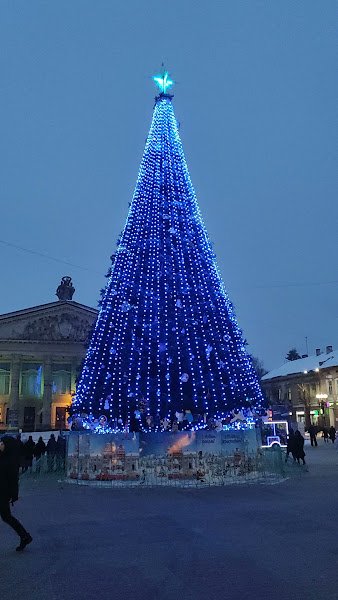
[[163, 82], [188, 416], [125, 306], [208, 350], [165, 424]]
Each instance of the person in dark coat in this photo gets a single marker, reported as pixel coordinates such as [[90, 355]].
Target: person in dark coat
[[299, 447], [326, 435], [28, 449], [9, 488], [290, 446], [313, 435], [60, 452], [332, 434], [40, 448], [51, 452]]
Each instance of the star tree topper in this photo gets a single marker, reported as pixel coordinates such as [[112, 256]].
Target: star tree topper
[[163, 81]]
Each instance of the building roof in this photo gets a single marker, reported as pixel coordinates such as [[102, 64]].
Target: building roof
[[310, 363], [62, 322], [42, 307]]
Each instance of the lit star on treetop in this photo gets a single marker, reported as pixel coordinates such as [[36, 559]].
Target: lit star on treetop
[[163, 82]]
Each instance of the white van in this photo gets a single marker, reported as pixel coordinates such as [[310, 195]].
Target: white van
[[274, 433]]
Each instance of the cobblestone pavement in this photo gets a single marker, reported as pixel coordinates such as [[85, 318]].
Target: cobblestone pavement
[[276, 542]]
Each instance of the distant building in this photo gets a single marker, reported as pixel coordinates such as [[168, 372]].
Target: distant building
[[305, 389], [41, 350]]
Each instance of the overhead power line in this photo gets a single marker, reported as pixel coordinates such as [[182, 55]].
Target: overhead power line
[[258, 286], [48, 256]]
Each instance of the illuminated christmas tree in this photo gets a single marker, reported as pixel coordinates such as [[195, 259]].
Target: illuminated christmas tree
[[166, 340]]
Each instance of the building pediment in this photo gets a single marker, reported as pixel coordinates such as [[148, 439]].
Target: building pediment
[[55, 322]]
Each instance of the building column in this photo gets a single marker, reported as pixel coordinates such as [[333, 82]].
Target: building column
[[74, 367], [13, 407], [47, 394]]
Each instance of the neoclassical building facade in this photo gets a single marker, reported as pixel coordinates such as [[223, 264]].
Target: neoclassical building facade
[[41, 351]]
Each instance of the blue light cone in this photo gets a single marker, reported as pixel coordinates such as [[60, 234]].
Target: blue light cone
[[166, 338]]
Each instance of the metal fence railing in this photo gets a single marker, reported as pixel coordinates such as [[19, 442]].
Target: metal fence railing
[[45, 465]]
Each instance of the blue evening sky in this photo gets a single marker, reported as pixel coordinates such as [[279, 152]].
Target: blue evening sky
[[256, 97]]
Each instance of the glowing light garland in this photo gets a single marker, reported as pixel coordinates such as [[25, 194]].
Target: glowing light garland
[[166, 338]]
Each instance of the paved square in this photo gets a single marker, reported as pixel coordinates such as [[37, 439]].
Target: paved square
[[276, 542]]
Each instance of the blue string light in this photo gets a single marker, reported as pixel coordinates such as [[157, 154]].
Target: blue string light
[[166, 340]]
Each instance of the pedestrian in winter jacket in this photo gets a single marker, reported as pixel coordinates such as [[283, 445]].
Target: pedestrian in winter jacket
[[9, 486], [299, 447], [326, 435], [60, 452], [28, 449], [332, 434], [51, 452], [40, 448], [313, 434], [290, 448]]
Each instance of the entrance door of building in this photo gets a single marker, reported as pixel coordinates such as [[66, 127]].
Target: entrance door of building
[[29, 418], [60, 417]]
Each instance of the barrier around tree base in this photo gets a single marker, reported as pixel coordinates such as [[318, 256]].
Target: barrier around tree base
[[187, 458]]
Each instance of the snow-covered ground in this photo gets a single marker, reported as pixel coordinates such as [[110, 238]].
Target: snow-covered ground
[[238, 542]]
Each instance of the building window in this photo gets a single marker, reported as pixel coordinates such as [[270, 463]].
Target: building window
[[61, 376], [289, 394], [330, 387], [31, 380], [5, 376], [279, 394]]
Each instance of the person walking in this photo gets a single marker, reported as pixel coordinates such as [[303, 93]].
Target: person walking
[[28, 449], [326, 435], [9, 488], [332, 434], [313, 434], [39, 450], [299, 447], [60, 452], [290, 446], [51, 452]]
